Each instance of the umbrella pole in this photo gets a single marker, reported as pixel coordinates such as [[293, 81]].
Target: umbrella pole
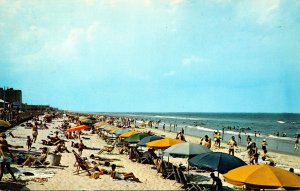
[[218, 174]]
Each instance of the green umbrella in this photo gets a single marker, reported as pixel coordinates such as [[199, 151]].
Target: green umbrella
[[136, 138]]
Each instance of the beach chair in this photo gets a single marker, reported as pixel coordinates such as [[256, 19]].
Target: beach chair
[[186, 184], [81, 164], [176, 175], [167, 170]]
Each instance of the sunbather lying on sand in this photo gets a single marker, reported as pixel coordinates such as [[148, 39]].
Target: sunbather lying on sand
[[122, 175], [103, 158], [51, 141], [105, 163], [32, 159]]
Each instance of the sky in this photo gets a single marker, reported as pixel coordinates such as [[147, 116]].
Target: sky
[[153, 56]]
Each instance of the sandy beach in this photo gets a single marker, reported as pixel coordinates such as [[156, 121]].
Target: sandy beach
[[63, 178]]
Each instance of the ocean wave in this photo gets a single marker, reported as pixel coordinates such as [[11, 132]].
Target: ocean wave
[[282, 122], [203, 128], [175, 117], [282, 138]]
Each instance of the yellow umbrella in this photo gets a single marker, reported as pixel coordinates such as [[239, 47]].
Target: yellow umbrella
[[128, 134], [262, 177], [4, 123], [112, 129], [163, 143], [99, 125]]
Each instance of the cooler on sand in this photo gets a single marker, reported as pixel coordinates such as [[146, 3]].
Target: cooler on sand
[[54, 159]]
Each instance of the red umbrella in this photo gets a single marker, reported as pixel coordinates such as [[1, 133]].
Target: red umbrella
[[78, 128]]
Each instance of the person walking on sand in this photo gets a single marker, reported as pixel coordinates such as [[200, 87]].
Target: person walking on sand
[[296, 142], [6, 157], [232, 144], [34, 132]]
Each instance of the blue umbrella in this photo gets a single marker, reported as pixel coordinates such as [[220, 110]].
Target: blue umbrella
[[148, 139], [216, 161]]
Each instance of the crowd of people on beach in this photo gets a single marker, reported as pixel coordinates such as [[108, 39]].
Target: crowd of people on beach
[[100, 163]]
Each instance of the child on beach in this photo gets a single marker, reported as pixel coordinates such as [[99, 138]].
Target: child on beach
[[29, 143]]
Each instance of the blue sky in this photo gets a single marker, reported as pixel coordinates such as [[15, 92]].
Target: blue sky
[[153, 56]]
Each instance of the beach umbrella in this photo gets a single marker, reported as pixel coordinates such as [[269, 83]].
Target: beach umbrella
[[128, 134], [186, 150], [262, 177], [107, 127], [99, 124], [78, 128], [216, 161], [4, 123], [102, 125], [112, 129], [148, 139], [163, 143], [88, 122], [120, 131], [136, 138]]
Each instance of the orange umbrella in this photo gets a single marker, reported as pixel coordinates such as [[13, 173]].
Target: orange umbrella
[[262, 177], [128, 134], [78, 128], [163, 143]]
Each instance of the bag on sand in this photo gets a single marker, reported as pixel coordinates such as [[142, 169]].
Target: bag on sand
[[95, 175]]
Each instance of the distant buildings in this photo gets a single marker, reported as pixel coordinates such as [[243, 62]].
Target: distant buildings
[[11, 95]]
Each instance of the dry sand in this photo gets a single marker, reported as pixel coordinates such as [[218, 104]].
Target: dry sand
[[65, 179]]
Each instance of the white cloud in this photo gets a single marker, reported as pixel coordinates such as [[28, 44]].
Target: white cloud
[[170, 73], [193, 60], [261, 10], [176, 2]]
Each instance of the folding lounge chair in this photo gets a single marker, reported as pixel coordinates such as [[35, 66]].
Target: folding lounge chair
[[81, 164], [167, 170], [186, 184]]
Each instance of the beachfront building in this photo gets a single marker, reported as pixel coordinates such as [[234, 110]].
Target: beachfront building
[[11, 95]]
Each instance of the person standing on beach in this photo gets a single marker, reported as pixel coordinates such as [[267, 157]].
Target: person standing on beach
[[254, 154], [29, 143], [164, 127], [239, 136], [80, 147], [223, 133], [34, 132], [6, 157], [296, 142], [232, 144], [264, 145]]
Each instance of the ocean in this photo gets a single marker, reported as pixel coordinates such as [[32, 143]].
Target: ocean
[[279, 129]]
